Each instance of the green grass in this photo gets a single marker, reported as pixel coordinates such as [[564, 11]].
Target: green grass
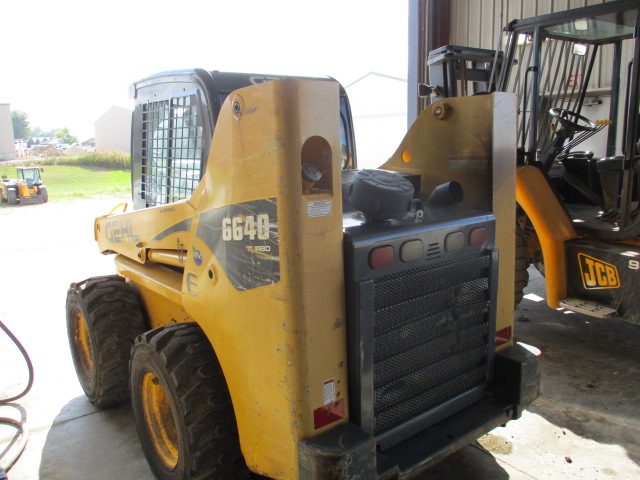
[[109, 160], [65, 181]]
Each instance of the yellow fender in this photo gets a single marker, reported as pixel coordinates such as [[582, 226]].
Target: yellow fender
[[552, 224]]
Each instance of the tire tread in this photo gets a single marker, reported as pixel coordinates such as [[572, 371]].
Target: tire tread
[[203, 395], [113, 315]]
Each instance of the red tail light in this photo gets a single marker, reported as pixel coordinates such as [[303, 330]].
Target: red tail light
[[503, 336], [477, 236], [381, 257]]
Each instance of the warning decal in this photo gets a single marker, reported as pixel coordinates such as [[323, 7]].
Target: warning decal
[[319, 209], [328, 391]]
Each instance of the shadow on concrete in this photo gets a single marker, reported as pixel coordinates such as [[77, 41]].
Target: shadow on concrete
[[473, 462], [590, 371], [86, 443]]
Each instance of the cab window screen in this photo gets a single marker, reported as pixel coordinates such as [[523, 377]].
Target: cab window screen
[[171, 149]]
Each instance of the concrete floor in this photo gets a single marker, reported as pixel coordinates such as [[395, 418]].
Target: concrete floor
[[585, 425]]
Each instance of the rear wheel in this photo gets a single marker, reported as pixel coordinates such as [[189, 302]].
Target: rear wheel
[[521, 264], [44, 195], [182, 407], [103, 320], [12, 196]]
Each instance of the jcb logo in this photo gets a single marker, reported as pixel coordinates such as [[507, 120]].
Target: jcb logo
[[597, 274]]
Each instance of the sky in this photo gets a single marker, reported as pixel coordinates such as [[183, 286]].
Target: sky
[[66, 62]]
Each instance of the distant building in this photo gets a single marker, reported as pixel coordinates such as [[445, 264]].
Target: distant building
[[20, 147], [379, 110], [113, 130], [7, 147]]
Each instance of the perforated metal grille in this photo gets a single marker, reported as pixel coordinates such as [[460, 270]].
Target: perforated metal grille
[[171, 150], [430, 335]]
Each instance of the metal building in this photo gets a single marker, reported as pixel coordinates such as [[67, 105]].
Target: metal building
[[7, 148]]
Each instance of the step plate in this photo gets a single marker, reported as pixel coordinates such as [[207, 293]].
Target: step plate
[[588, 307]]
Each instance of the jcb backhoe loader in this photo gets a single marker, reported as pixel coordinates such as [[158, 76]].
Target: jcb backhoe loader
[[26, 189], [277, 311], [578, 209]]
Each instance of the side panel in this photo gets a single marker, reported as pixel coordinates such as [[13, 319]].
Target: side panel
[[264, 273]]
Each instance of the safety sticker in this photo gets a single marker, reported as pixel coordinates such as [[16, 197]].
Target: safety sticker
[[328, 391], [320, 208]]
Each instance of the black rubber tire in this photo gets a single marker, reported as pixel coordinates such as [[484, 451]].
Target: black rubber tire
[[103, 320], [44, 195], [521, 266], [12, 196], [179, 391], [539, 264]]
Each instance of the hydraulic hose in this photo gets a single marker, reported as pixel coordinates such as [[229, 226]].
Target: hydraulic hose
[[23, 431]]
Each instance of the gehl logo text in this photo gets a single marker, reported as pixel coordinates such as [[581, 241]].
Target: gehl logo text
[[119, 231], [597, 274]]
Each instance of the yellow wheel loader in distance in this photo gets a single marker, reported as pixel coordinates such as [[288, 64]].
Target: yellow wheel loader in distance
[[277, 311], [28, 188]]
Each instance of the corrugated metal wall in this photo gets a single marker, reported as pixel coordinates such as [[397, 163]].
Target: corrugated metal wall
[[476, 23]]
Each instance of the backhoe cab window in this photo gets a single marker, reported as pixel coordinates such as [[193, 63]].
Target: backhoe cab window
[[31, 176], [171, 149]]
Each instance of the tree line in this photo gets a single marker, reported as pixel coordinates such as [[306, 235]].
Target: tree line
[[22, 129]]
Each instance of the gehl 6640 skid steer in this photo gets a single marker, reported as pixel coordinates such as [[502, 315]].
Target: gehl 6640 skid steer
[[278, 312]]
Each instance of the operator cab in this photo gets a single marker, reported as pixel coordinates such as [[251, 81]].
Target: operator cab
[[173, 123], [576, 76], [31, 175]]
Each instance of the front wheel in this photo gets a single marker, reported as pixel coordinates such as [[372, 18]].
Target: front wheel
[[103, 319], [12, 196], [182, 407], [44, 194]]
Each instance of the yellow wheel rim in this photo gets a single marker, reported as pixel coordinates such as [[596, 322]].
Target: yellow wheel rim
[[84, 349], [159, 419]]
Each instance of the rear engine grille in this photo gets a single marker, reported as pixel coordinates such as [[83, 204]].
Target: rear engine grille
[[431, 340]]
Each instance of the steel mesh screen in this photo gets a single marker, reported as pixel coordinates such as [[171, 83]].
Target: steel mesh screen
[[171, 149], [430, 336]]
